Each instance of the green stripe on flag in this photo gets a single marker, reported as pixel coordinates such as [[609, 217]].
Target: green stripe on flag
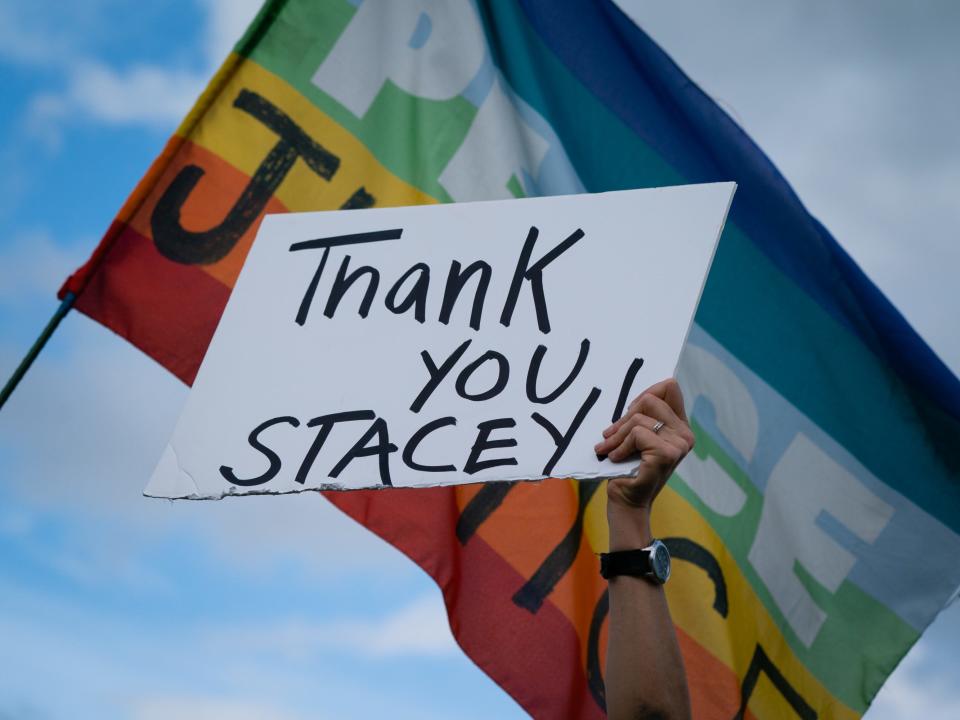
[[860, 636], [787, 339], [412, 137]]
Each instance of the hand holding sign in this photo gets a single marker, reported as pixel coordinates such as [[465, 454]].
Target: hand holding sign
[[445, 344], [655, 428]]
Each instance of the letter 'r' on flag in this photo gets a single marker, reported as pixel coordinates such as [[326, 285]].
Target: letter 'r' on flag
[[828, 434]]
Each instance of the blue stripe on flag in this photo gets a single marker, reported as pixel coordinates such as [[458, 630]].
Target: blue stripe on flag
[[630, 74]]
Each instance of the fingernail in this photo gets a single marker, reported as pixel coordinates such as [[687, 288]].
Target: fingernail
[[608, 432], [601, 457]]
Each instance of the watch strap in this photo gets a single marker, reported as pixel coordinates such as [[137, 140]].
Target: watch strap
[[626, 562]]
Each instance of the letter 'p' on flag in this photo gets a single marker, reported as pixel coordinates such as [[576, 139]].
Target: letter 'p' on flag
[[828, 434]]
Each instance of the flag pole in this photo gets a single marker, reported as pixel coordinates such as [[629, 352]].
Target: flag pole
[[32, 353]]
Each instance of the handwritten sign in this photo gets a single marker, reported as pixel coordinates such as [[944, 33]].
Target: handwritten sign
[[447, 344]]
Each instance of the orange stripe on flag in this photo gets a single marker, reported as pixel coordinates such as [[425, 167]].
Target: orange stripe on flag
[[207, 205]]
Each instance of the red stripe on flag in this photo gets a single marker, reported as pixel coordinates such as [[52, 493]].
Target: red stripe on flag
[[534, 657], [166, 309]]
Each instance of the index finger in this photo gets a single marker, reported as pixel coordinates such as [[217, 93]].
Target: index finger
[[669, 391]]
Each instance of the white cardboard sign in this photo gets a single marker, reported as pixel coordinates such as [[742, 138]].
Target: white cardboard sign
[[444, 344]]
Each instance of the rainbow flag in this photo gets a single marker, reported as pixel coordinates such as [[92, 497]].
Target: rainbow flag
[[814, 529]]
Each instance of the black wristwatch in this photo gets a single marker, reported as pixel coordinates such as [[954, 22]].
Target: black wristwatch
[[651, 563]]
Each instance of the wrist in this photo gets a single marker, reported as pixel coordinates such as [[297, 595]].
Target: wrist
[[629, 526]]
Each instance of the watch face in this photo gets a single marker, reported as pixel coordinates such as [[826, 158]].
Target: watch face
[[660, 561]]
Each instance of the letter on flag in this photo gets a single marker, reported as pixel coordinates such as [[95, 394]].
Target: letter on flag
[[814, 528]]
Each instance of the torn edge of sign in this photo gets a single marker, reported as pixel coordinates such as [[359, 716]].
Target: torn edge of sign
[[184, 487]]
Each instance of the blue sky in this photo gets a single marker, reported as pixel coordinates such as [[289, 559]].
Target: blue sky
[[114, 606]]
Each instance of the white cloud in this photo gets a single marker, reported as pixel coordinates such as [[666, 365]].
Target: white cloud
[[25, 41], [226, 22], [417, 629], [916, 690], [79, 439], [139, 95], [33, 265], [114, 662], [206, 708], [145, 95], [149, 95]]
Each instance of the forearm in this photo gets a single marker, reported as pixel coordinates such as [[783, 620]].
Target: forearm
[[645, 676]]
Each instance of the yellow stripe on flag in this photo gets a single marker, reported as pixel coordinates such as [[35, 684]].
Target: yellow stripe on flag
[[732, 640], [243, 142]]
